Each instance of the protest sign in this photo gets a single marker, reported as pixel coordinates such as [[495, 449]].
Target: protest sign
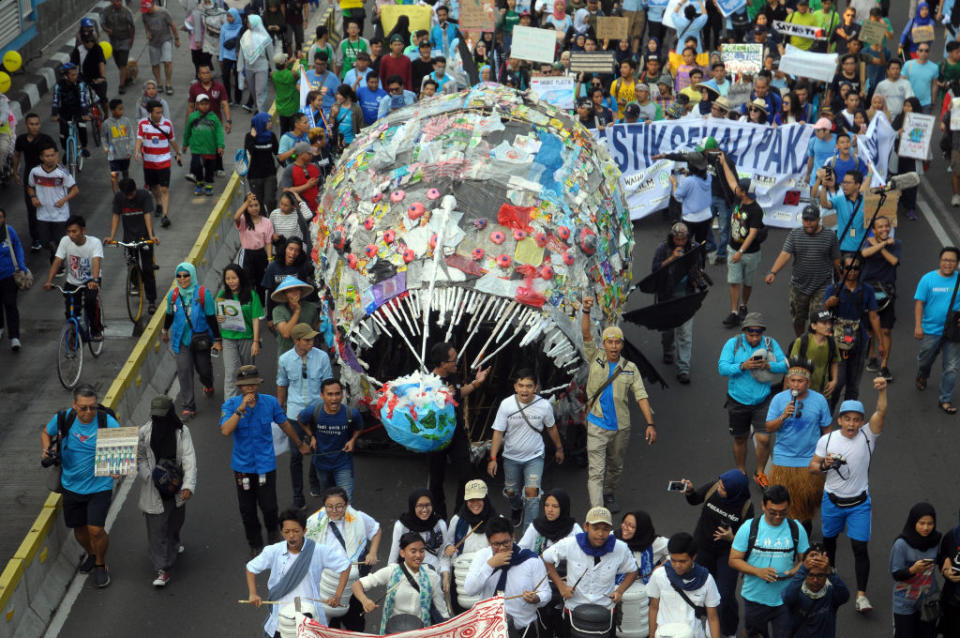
[[799, 30], [591, 62], [554, 90], [486, 619], [739, 94], [922, 33], [419, 16], [535, 45], [875, 146], [116, 451], [873, 32], [477, 15], [917, 132], [774, 159], [612, 28], [730, 6], [807, 64], [670, 12], [232, 315], [742, 58]]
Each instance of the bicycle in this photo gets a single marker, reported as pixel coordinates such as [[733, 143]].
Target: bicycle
[[70, 350], [134, 285], [73, 157], [96, 113]]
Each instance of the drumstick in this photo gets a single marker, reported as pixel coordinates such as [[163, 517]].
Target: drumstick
[[262, 602], [472, 530], [535, 588]]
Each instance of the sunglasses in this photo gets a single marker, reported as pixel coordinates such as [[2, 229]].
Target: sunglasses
[[754, 331], [182, 275]]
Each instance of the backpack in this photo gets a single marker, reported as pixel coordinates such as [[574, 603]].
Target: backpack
[[176, 295], [755, 528], [167, 478], [768, 346]]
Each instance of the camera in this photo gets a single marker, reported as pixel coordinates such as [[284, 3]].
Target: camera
[[838, 459], [52, 457]]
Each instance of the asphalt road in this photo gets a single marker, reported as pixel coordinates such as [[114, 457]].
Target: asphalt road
[[911, 464]]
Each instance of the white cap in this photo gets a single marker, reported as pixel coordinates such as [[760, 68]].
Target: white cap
[[474, 489], [202, 97], [599, 515]]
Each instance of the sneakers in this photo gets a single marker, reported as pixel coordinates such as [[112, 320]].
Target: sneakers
[[158, 210], [668, 358], [516, 517], [885, 373], [190, 177], [163, 577], [732, 320], [151, 308], [88, 564], [169, 90], [208, 190], [863, 604], [912, 215], [873, 365], [15, 344], [165, 221], [101, 576], [920, 383], [611, 503], [742, 312], [955, 202], [198, 189], [761, 479], [683, 378], [181, 549], [208, 391], [36, 247], [188, 414], [221, 173]]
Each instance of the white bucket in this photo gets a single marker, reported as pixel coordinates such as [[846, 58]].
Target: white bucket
[[287, 617], [328, 587], [636, 608], [460, 568]]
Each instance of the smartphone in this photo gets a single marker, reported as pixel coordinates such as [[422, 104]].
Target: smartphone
[[676, 486], [757, 357]]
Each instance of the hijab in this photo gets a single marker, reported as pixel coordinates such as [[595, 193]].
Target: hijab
[[657, 52], [622, 56], [558, 529], [645, 534], [259, 122], [163, 435], [186, 292], [580, 21], [559, 10], [232, 29], [920, 21], [910, 534], [255, 40], [410, 520], [737, 486], [402, 27]]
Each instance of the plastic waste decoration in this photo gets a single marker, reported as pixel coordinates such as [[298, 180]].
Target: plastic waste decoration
[[418, 412]]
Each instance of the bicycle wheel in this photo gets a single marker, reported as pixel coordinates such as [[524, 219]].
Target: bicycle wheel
[[134, 301], [71, 157], [96, 123], [96, 347], [70, 356]]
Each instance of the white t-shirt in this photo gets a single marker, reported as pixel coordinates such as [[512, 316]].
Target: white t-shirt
[[598, 580], [672, 606], [78, 260], [852, 478], [521, 443], [50, 188]]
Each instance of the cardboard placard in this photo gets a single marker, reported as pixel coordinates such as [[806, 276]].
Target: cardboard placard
[[888, 210], [612, 28], [535, 45], [116, 451], [554, 90], [922, 34], [742, 58], [917, 133], [477, 15], [807, 64], [873, 32], [419, 16], [591, 62]]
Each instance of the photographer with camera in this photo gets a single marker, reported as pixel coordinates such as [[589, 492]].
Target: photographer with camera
[[814, 596], [70, 441], [845, 459]]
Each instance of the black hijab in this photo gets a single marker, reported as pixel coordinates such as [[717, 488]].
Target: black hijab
[[645, 534], [909, 533], [560, 528], [163, 435], [410, 519], [472, 519]]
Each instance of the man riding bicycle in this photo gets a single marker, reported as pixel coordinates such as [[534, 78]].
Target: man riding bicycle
[[88, 56], [82, 256], [133, 207], [70, 103]]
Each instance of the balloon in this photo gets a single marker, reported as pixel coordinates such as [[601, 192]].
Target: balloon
[[12, 61], [107, 49], [4, 82]]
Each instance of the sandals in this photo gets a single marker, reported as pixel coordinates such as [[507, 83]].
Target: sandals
[[948, 408]]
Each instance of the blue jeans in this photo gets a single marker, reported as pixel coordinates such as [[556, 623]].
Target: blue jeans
[[531, 473], [720, 208], [296, 470], [341, 477], [769, 622], [680, 338], [930, 345]]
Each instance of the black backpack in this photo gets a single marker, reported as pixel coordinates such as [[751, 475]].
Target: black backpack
[[65, 419], [755, 528]]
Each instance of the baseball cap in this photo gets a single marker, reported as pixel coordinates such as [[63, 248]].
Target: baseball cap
[[161, 406], [710, 144], [803, 2], [599, 515], [474, 489], [202, 97], [633, 110], [248, 375], [146, 5], [851, 406], [745, 183], [753, 320], [823, 123], [810, 213], [612, 332], [396, 37], [302, 147], [820, 316], [303, 331]]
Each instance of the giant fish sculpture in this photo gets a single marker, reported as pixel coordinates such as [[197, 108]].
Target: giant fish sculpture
[[482, 219]]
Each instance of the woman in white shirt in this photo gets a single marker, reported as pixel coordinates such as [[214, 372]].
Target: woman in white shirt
[[421, 518], [291, 213], [410, 589], [342, 527], [460, 542]]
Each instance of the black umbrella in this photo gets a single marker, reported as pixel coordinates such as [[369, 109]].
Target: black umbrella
[[647, 371], [667, 314], [652, 282]]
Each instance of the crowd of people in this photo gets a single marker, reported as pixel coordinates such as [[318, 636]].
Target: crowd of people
[[801, 404]]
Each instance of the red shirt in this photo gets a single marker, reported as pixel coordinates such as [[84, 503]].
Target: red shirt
[[217, 93], [401, 66], [300, 177], [155, 142]]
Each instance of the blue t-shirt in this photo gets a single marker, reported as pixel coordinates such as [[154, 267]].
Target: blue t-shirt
[[820, 151], [850, 241], [78, 450], [694, 194], [332, 432], [935, 290], [345, 124], [920, 77], [253, 438], [773, 548], [843, 166], [369, 103], [797, 437], [609, 420]]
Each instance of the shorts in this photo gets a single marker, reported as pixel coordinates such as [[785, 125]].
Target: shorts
[[757, 619], [121, 52], [161, 53], [156, 177], [80, 510], [855, 519], [744, 271], [743, 416], [120, 165], [888, 316]]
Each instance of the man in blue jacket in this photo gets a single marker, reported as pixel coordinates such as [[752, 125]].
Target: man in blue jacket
[[753, 363], [813, 597]]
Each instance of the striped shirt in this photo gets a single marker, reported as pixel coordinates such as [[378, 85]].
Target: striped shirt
[[813, 257], [155, 139]]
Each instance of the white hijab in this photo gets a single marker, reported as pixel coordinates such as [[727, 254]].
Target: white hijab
[[255, 40]]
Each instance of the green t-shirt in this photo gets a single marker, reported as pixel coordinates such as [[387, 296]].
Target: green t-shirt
[[288, 97], [250, 310], [281, 313], [819, 355], [510, 19], [949, 72], [348, 53]]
